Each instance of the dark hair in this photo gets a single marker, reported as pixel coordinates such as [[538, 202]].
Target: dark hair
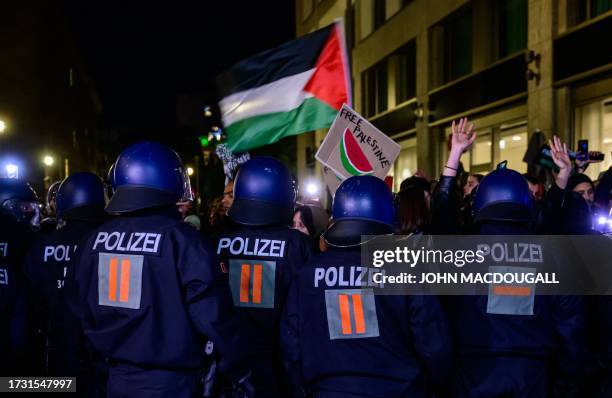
[[531, 179], [415, 182], [479, 177], [413, 213], [306, 216], [577, 179]]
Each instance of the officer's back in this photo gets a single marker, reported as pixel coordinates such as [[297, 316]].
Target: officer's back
[[261, 254], [134, 307], [150, 294], [80, 206], [339, 338], [506, 343], [15, 238]]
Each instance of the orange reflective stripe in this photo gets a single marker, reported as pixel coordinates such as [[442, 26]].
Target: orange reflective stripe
[[124, 289], [244, 283], [511, 291], [358, 310], [345, 314], [112, 280], [257, 270]]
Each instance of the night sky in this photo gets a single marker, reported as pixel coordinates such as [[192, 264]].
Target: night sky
[[140, 55]]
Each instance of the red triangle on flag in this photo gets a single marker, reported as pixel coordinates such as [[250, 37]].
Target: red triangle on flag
[[329, 82]]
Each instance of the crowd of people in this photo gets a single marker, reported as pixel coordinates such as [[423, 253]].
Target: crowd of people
[[126, 288]]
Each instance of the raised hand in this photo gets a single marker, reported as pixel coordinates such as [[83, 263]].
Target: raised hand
[[558, 151], [559, 154], [463, 135]]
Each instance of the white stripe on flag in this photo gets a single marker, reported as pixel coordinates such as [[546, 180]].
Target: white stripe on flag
[[282, 95]]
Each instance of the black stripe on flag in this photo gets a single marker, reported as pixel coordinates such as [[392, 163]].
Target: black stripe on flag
[[288, 59]]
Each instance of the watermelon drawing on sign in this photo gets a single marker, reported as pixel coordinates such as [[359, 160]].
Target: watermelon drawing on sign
[[353, 159]]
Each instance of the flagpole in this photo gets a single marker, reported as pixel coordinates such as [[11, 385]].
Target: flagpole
[[339, 24]]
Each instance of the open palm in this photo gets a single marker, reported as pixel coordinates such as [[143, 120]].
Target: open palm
[[462, 135]]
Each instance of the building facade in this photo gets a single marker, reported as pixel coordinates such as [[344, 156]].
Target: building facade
[[514, 67]]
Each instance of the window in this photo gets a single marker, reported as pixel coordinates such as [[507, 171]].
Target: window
[[374, 13], [458, 46], [594, 123], [512, 17], [406, 164], [375, 89], [379, 13], [512, 146], [588, 9], [480, 155], [393, 7], [599, 7], [406, 73]]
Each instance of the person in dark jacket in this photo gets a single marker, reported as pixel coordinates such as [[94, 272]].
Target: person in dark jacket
[[80, 205], [149, 288], [21, 348], [506, 343], [260, 254], [341, 340]]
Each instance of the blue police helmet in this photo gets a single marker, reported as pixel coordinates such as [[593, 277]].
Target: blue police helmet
[[363, 205], [17, 199], [264, 193], [148, 174], [503, 195], [11, 188], [78, 194]]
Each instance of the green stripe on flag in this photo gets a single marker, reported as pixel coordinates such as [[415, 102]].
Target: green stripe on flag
[[267, 129]]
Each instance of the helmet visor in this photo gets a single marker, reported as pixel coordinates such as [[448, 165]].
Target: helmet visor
[[187, 195]]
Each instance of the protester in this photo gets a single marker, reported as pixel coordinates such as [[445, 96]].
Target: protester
[[413, 215], [582, 185], [471, 183], [535, 187], [228, 197], [311, 219], [189, 215]]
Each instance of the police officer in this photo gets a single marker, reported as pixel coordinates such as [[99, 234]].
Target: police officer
[[507, 343], [340, 339], [18, 204], [261, 254], [149, 290], [80, 206]]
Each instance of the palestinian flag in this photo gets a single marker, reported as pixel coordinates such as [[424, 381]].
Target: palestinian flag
[[297, 87]]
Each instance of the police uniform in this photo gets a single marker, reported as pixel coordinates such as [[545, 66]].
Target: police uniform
[[343, 341], [506, 343], [16, 337], [260, 263], [14, 240], [260, 256], [340, 339], [149, 291], [50, 260]]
